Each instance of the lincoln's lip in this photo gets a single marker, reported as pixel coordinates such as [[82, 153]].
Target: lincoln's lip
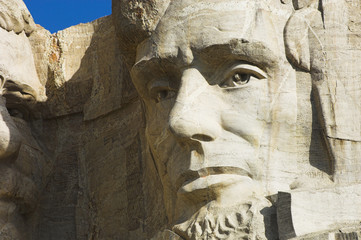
[[190, 176]]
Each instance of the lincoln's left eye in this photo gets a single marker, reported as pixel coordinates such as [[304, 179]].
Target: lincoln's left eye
[[241, 74], [237, 79], [241, 78]]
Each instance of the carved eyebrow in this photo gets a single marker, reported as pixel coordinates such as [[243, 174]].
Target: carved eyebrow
[[157, 61], [155, 68], [253, 52], [145, 63], [215, 55]]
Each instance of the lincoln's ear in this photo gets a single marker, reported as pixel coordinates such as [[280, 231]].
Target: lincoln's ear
[[296, 34]]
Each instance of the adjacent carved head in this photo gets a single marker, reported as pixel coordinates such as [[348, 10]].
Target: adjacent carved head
[[22, 161]]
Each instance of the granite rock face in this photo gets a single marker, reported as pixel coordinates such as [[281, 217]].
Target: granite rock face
[[227, 119], [252, 115]]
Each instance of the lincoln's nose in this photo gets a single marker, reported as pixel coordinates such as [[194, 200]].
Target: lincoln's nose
[[10, 139], [194, 114]]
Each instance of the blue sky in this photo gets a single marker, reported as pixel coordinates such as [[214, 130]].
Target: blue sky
[[55, 15]]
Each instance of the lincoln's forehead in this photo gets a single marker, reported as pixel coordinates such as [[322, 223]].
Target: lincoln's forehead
[[184, 9], [198, 24]]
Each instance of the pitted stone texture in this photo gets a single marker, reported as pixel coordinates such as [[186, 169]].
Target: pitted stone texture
[[240, 101]]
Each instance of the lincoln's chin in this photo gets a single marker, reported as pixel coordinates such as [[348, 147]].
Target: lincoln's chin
[[214, 220], [220, 206]]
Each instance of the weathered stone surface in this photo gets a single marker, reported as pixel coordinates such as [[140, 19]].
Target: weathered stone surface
[[244, 122], [222, 141], [305, 212], [16, 17], [134, 21]]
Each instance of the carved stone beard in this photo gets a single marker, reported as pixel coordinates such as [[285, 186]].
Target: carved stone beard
[[212, 221]]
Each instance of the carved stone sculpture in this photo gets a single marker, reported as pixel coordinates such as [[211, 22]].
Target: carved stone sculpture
[[223, 84], [23, 164], [243, 122]]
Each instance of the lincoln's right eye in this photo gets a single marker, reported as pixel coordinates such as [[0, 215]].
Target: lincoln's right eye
[[160, 90], [164, 94]]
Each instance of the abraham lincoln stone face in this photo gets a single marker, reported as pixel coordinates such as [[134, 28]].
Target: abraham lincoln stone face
[[212, 77]]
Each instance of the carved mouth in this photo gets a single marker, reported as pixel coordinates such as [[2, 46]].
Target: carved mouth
[[192, 176]]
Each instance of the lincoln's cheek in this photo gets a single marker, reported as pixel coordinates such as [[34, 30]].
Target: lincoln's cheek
[[244, 126], [10, 138]]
